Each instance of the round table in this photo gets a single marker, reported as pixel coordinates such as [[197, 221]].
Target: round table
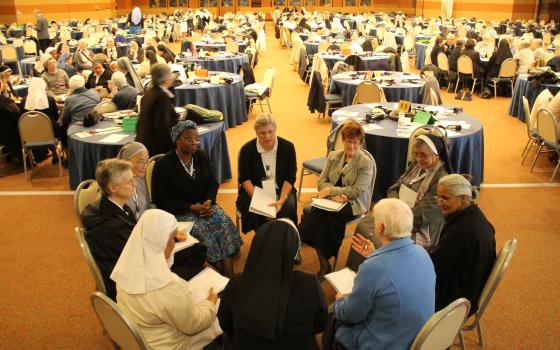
[[214, 46], [389, 149], [312, 47], [220, 62], [420, 54], [407, 86], [368, 59], [524, 88], [85, 153], [227, 98]]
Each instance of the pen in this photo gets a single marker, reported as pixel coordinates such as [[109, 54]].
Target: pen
[[365, 246]]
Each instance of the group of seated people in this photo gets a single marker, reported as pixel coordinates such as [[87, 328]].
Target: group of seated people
[[444, 238]]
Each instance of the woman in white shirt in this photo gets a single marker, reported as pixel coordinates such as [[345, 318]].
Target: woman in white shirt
[[158, 301]]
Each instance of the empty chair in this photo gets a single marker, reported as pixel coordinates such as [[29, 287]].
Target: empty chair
[[465, 70], [120, 328], [506, 75], [260, 92], [440, 331], [36, 131], [90, 261], [500, 267], [367, 92], [547, 131]]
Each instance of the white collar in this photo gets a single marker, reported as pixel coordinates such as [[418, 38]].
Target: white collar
[[260, 148]]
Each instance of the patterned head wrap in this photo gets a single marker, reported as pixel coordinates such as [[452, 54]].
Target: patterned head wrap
[[180, 127]]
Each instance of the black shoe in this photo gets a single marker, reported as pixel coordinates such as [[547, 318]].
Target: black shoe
[[459, 95]]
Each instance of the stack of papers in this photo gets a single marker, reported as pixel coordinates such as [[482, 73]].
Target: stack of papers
[[190, 241], [208, 278], [342, 280], [260, 203], [327, 204], [114, 138]]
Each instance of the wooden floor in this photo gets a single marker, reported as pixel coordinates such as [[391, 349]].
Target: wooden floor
[[45, 284]]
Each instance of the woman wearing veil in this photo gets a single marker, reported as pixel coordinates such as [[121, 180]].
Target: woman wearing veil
[[135, 21], [124, 65], [269, 305], [156, 299]]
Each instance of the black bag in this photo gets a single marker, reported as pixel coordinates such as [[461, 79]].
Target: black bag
[[91, 119]]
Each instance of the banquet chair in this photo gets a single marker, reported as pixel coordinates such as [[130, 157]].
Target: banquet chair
[[120, 328], [357, 218], [9, 55], [496, 274], [441, 329], [105, 107], [465, 70], [533, 139], [315, 166], [547, 132], [318, 95], [506, 74], [90, 261], [232, 47], [443, 66], [30, 48], [86, 193], [254, 97], [149, 172], [36, 131], [367, 92], [433, 98], [323, 46]]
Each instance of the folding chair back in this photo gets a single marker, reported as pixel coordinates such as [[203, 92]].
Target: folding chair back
[[86, 193], [547, 127], [119, 327], [323, 46], [442, 62], [440, 331], [9, 53], [35, 129], [105, 107], [30, 48], [232, 46], [367, 92], [90, 261], [508, 68], [149, 173], [465, 66]]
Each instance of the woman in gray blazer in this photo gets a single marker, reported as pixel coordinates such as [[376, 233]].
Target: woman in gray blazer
[[346, 178]]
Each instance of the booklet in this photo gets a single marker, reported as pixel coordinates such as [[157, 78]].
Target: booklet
[[260, 203], [327, 204], [342, 280], [208, 278], [185, 226]]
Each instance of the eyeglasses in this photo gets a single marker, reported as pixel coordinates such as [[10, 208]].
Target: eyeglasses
[[189, 140], [352, 143], [421, 155], [442, 198]]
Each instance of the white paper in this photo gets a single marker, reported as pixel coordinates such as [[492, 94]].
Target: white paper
[[83, 134], [371, 127], [451, 133], [269, 186], [342, 280], [327, 204], [347, 113], [404, 133], [208, 278], [260, 203], [114, 138], [185, 226], [408, 196]]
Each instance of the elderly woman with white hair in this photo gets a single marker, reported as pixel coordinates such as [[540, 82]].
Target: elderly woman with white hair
[[56, 79], [157, 114], [466, 251], [83, 57], [125, 95], [78, 104], [525, 57], [110, 50], [268, 162], [137, 155]]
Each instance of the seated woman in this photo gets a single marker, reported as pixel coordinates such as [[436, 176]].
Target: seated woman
[[99, 77], [135, 52], [183, 184], [346, 178], [431, 164], [163, 51], [137, 155], [156, 299], [466, 252], [77, 105], [291, 307], [56, 79], [124, 95], [111, 50], [65, 62], [124, 65], [497, 58], [271, 159], [109, 221], [151, 59]]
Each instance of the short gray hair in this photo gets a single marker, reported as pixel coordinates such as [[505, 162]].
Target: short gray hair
[[460, 43], [395, 216], [108, 171], [119, 79], [459, 185], [160, 72], [538, 42], [264, 119], [76, 81]]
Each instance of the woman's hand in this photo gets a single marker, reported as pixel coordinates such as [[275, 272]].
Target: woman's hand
[[278, 204], [361, 245], [340, 198], [180, 236], [212, 297], [324, 193], [340, 295]]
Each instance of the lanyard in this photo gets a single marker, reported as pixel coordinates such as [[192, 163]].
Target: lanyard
[[189, 169]]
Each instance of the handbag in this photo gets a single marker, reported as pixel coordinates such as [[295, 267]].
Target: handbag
[[91, 119]]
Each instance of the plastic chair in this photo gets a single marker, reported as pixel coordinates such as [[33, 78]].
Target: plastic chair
[[443, 64], [86, 193], [121, 329], [106, 107], [149, 172], [506, 74], [315, 166], [90, 261], [547, 132], [465, 70], [440, 331], [367, 92], [532, 136], [30, 48], [500, 267], [255, 98], [9, 55], [35, 130]]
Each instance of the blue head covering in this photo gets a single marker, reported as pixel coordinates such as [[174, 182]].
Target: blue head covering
[[180, 127], [62, 59]]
